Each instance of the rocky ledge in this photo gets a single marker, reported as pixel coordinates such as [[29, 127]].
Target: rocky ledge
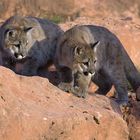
[[31, 108]]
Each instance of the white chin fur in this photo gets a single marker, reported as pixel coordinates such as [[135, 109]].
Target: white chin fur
[[20, 57], [91, 74]]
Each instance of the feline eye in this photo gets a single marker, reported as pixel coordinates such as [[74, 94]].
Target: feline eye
[[86, 63]]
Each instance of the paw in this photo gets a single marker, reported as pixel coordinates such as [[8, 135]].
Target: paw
[[124, 105], [65, 87], [79, 93]]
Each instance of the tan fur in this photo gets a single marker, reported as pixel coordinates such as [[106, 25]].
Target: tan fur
[[107, 57], [74, 59], [81, 84], [32, 38]]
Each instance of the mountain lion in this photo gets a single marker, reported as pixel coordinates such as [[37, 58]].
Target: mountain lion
[[88, 49], [28, 40]]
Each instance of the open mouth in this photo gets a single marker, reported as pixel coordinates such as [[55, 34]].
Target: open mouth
[[85, 71], [19, 56], [88, 73]]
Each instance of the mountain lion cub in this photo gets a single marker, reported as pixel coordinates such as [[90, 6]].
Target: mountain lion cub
[[30, 40], [87, 49]]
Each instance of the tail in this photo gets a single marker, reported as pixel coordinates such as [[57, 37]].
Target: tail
[[132, 74]]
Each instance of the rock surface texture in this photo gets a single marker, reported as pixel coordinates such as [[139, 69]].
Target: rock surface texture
[[31, 108], [133, 121], [69, 8]]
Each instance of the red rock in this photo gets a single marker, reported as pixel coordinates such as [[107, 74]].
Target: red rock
[[69, 8], [133, 121], [93, 87], [31, 108]]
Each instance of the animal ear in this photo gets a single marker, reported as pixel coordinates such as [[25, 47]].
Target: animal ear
[[10, 32], [77, 51], [27, 29], [95, 44]]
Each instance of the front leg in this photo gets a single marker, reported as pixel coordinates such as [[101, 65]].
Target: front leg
[[79, 91], [30, 67], [119, 81], [66, 79], [102, 80]]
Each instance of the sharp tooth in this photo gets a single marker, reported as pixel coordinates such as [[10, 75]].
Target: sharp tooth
[[89, 74], [92, 73]]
